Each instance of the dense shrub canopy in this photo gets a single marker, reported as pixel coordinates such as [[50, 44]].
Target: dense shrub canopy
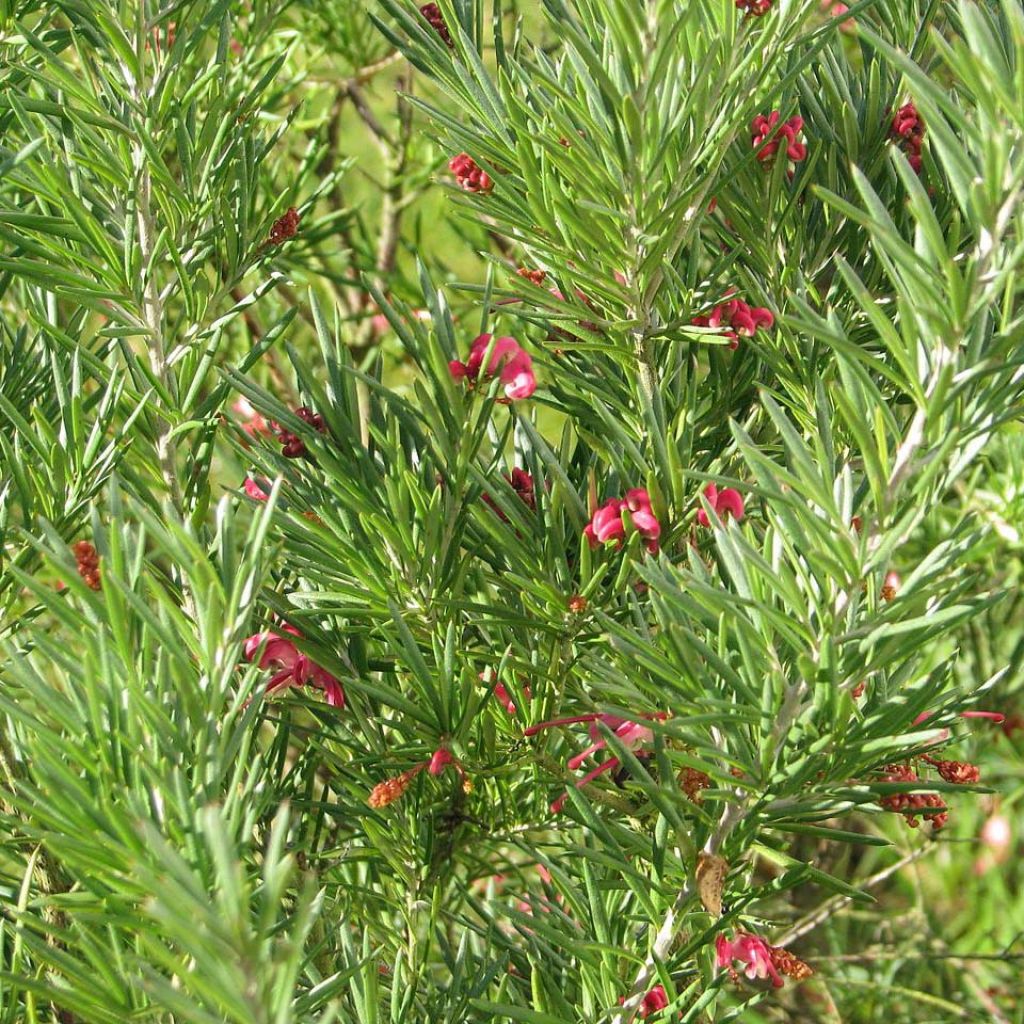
[[510, 512]]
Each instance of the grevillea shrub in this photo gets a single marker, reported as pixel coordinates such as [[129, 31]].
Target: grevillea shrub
[[511, 512]]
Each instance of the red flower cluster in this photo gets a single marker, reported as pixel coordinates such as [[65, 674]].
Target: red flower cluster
[[292, 446], [736, 319], [284, 227], [908, 129], [293, 667], [88, 564], [928, 805], [607, 522], [533, 276], [468, 175], [754, 8], [432, 13], [961, 773], [766, 137], [507, 358], [522, 483]]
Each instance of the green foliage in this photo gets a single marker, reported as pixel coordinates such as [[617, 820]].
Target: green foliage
[[179, 843]]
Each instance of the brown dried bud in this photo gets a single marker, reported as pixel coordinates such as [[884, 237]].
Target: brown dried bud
[[692, 781], [788, 964], [710, 874], [284, 227], [390, 790], [578, 604]]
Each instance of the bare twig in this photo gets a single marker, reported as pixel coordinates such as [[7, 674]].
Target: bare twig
[[731, 816], [366, 115], [831, 905]]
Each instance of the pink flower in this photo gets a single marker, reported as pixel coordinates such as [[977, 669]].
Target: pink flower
[[632, 734], [766, 138], [725, 502], [736, 319], [507, 357], [750, 950], [836, 8], [468, 175], [252, 422], [943, 734], [522, 483], [504, 698], [754, 8], [255, 489], [654, 1001], [293, 668], [997, 842], [607, 525], [993, 716], [380, 324]]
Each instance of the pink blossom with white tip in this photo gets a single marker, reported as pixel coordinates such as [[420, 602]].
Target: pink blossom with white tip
[[606, 524], [507, 358], [751, 951]]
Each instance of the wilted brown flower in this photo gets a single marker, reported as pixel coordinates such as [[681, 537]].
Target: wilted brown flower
[[284, 227]]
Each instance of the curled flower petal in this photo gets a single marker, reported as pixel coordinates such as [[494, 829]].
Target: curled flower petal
[[725, 502], [293, 667]]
